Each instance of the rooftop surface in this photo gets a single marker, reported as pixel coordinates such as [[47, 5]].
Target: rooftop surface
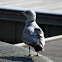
[[10, 53], [53, 50], [43, 5]]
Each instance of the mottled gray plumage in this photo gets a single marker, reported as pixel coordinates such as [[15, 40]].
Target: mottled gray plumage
[[32, 33]]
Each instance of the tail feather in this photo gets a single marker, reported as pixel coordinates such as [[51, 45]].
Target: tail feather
[[37, 47]]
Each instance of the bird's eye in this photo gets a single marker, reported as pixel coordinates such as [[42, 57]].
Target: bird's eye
[[27, 12]]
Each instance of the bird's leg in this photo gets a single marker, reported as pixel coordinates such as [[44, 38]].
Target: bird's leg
[[37, 54], [29, 51], [43, 49]]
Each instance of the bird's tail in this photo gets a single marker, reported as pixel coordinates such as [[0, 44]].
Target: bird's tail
[[37, 47]]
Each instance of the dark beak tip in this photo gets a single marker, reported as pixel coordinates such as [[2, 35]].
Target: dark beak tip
[[21, 13]]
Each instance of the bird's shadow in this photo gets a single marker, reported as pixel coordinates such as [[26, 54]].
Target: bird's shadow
[[12, 58]]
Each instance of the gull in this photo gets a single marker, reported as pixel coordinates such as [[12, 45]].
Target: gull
[[32, 34]]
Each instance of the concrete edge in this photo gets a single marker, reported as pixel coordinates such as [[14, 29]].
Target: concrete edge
[[11, 52], [46, 39]]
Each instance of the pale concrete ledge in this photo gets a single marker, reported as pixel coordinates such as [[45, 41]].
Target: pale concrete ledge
[[10, 53], [46, 39]]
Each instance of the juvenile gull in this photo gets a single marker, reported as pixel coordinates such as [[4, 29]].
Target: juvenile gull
[[32, 34]]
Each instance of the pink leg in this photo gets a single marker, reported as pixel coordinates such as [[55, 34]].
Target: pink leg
[[37, 54], [29, 51], [43, 49]]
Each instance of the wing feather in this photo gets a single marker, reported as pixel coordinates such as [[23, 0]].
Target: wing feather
[[28, 35]]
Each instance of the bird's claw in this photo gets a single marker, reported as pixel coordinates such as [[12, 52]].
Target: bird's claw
[[29, 55]]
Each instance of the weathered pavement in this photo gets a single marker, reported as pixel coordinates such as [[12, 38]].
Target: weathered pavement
[[53, 50], [10, 53]]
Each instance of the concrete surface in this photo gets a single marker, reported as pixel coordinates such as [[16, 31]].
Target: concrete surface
[[46, 40], [10, 53], [53, 50]]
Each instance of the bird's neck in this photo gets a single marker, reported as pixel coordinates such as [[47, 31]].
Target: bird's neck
[[28, 22]]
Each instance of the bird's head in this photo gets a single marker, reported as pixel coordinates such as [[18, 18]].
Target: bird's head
[[30, 14]]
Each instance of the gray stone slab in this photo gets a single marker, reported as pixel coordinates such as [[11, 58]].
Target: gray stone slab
[[10, 53], [53, 50]]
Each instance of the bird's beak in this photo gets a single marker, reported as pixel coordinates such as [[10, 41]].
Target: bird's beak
[[22, 12]]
